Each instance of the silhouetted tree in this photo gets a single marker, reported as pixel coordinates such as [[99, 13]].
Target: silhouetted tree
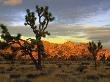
[[6, 36], [26, 48], [94, 48], [8, 39], [44, 17]]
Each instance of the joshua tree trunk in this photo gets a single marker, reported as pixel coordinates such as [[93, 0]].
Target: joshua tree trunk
[[33, 59], [40, 47], [39, 58], [95, 61]]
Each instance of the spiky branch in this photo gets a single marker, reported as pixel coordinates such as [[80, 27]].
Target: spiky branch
[[6, 36]]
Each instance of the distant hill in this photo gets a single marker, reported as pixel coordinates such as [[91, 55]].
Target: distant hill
[[65, 50], [72, 49]]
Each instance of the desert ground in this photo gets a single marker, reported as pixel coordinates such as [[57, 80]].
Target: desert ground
[[66, 71]]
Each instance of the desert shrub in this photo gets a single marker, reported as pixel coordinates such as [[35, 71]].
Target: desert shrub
[[22, 80], [14, 76], [61, 75], [3, 78], [10, 68], [81, 68], [1, 68], [23, 62], [59, 65], [46, 79], [7, 56], [108, 64], [2, 72], [31, 76], [85, 63], [43, 73], [67, 64], [92, 77], [102, 75]]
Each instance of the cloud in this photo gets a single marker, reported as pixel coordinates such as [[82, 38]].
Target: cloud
[[62, 39], [16, 19], [88, 27], [96, 35], [99, 19], [12, 2], [61, 33], [65, 11], [102, 31], [91, 20], [76, 10], [107, 45]]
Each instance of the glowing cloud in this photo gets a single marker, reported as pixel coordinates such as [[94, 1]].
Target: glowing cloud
[[103, 31], [88, 27], [62, 39], [12, 2]]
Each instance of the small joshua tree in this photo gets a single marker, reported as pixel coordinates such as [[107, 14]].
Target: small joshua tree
[[44, 17], [8, 38], [94, 48]]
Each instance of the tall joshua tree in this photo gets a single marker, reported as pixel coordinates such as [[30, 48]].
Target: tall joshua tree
[[94, 48], [44, 17]]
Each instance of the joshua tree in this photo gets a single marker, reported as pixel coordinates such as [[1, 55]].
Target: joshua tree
[[44, 17], [8, 38], [94, 48], [26, 48]]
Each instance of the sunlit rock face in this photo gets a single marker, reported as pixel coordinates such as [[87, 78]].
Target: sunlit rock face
[[64, 50]]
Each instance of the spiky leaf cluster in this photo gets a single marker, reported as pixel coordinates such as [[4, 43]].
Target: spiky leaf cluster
[[7, 36], [43, 16], [18, 36], [30, 18], [43, 12], [93, 47], [99, 45]]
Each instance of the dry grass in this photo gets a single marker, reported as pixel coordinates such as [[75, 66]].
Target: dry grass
[[54, 73], [4, 78]]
